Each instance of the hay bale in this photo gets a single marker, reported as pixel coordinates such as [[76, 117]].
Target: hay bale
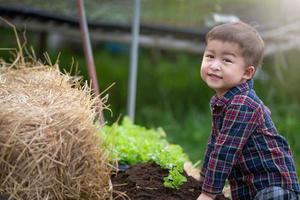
[[48, 143]]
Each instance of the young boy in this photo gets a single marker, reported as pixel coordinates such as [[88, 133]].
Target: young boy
[[244, 146]]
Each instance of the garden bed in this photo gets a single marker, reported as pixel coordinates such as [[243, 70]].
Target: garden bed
[[149, 167], [145, 182]]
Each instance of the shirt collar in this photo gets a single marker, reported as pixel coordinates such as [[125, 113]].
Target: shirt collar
[[216, 101]]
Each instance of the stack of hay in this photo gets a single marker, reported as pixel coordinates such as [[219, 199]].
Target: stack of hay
[[48, 143]]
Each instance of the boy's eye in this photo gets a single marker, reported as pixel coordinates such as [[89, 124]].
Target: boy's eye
[[209, 56], [227, 60]]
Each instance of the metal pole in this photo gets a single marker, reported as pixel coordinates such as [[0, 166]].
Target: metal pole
[[133, 60], [88, 53]]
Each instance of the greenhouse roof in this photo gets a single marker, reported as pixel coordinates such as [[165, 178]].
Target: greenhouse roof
[[169, 24]]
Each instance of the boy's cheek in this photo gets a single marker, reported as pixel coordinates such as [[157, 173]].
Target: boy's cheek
[[202, 74], [203, 70]]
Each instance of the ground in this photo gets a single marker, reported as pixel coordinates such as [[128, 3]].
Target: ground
[[145, 182]]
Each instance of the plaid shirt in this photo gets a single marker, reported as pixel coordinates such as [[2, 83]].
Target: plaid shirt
[[245, 147]]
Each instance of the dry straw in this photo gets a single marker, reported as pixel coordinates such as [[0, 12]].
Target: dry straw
[[49, 147]]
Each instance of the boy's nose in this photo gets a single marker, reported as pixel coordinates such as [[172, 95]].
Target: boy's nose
[[215, 65]]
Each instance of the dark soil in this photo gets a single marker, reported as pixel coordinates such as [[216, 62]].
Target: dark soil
[[145, 182]]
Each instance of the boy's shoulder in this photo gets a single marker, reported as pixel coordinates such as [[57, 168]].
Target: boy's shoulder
[[248, 99]]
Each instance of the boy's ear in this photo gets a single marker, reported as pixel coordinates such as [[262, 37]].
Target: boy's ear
[[249, 72]]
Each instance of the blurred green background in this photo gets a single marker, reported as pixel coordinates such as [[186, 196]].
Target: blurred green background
[[170, 93]]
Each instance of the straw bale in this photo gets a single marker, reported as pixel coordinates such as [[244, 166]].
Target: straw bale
[[49, 148]]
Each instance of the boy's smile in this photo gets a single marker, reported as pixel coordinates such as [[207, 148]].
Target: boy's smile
[[223, 66], [214, 76]]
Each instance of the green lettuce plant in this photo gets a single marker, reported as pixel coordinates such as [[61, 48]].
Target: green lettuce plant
[[128, 143]]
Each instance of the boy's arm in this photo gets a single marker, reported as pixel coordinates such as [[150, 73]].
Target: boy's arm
[[239, 122], [208, 151], [204, 196]]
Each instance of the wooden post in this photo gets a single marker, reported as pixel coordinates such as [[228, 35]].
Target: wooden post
[[89, 53]]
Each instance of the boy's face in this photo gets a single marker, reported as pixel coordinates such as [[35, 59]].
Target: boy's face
[[223, 66]]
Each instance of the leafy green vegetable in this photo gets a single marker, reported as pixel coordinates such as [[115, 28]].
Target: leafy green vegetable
[[131, 144], [175, 179]]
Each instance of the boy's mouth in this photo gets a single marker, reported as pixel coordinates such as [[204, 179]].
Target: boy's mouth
[[214, 76]]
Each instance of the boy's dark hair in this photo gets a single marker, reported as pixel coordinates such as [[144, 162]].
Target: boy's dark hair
[[247, 37]]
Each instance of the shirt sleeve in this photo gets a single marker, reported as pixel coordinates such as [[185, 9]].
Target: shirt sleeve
[[238, 123], [206, 156]]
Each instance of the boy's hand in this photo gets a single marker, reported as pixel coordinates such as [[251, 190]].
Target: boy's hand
[[204, 196]]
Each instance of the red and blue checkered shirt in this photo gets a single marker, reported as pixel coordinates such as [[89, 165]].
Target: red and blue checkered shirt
[[245, 147]]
